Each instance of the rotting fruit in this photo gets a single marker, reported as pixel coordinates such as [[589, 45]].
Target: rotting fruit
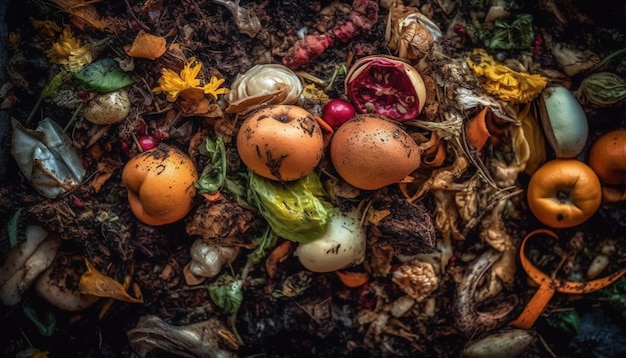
[[564, 193], [160, 185], [607, 157], [387, 86], [280, 142], [370, 152]]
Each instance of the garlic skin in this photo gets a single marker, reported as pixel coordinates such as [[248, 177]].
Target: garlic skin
[[46, 158], [264, 79], [342, 245], [207, 260], [25, 262]]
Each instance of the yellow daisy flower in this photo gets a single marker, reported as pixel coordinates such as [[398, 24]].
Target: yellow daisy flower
[[173, 83]]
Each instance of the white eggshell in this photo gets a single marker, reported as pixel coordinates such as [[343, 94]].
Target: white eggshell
[[342, 245], [108, 108], [564, 121]]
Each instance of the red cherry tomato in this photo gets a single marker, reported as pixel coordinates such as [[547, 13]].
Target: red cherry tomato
[[337, 111], [147, 142]]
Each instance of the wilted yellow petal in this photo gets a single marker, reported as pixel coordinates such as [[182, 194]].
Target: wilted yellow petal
[[503, 82], [95, 283]]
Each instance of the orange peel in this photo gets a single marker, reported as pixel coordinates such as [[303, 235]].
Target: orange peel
[[548, 286], [146, 46]]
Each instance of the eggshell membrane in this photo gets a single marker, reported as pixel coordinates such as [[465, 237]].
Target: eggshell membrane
[[280, 142], [370, 152]]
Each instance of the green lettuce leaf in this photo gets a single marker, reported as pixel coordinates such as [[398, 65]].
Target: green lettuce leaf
[[296, 210]]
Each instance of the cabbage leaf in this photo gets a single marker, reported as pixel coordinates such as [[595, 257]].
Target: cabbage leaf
[[297, 210]]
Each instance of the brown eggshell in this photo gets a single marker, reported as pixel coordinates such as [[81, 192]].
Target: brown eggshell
[[371, 152], [280, 142]]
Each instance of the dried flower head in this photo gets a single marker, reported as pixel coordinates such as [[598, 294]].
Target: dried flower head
[[45, 27], [417, 279], [69, 51], [502, 82], [173, 83]]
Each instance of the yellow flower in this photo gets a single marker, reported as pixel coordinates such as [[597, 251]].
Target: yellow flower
[[213, 89], [173, 83], [69, 51], [502, 82], [45, 27]]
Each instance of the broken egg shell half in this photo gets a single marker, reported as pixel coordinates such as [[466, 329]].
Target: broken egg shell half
[[564, 121], [370, 152], [280, 142], [108, 108]]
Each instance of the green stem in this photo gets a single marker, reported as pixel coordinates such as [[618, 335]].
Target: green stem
[[73, 119], [608, 59], [37, 105]]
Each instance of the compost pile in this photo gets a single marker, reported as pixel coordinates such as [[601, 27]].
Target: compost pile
[[454, 184]]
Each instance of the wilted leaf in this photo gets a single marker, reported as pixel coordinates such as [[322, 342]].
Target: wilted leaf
[[83, 12], [103, 76], [95, 283]]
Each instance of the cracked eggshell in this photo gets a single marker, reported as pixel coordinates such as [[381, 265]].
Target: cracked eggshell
[[342, 245], [564, 121], [370, 152], [108, 108]]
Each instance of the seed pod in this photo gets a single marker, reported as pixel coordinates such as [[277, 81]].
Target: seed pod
[[602, 89]]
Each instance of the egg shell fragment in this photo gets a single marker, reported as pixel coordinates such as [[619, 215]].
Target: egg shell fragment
[[370, 152], [564, 121]]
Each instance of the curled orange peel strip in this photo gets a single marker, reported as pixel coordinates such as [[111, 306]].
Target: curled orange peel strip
[[548, 285]]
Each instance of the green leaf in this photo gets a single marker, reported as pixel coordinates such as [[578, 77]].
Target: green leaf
[[567, 322], [615, 296], [296, 210], [517, 34], [214, 173], [264, 243], [12, 228], [102, 76], [52, 88], [45, 324], [226, 293]]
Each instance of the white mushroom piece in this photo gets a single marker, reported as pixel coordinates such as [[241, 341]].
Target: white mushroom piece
[[25, 262]]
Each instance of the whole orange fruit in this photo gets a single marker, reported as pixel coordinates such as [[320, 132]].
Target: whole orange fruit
[[564, 193], [607, 157], [160, 185]]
